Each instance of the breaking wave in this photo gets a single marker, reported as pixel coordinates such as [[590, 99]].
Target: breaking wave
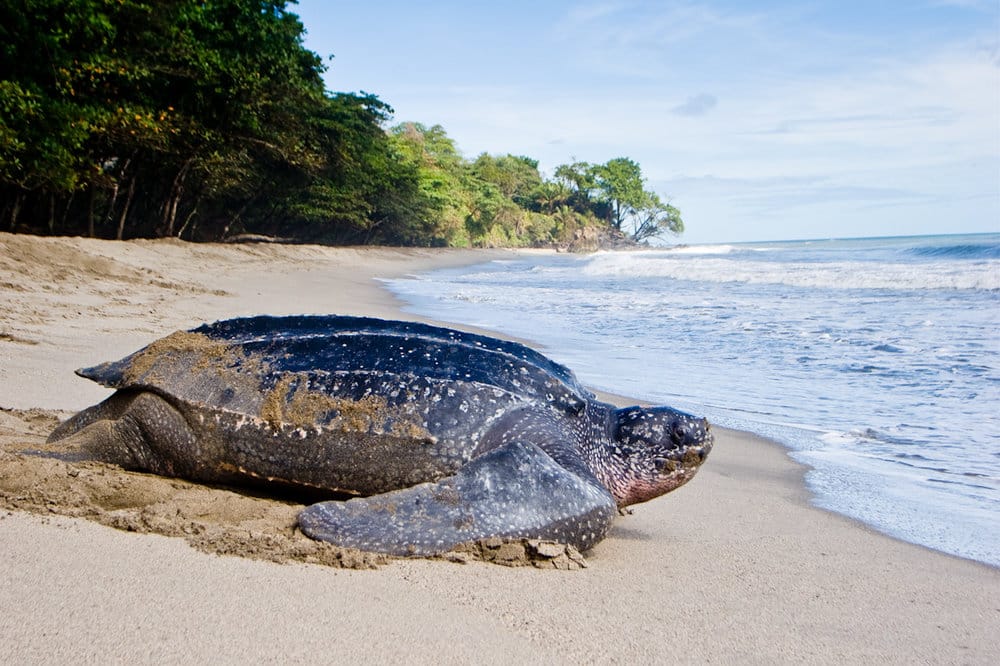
[[842, 274]]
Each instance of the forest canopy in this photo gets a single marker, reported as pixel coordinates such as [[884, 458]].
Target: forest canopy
[[208, 120]]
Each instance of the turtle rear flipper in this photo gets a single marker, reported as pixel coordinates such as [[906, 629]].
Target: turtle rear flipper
[[135, 429], [510, 492]]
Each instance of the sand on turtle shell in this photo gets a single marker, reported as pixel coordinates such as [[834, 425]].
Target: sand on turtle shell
[[213, 519], [289, 402], [209, 353], [292, 402]]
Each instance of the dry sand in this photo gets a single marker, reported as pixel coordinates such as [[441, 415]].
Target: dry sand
[[734, 567]]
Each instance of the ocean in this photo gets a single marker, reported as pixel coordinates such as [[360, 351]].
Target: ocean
[[876, 361]]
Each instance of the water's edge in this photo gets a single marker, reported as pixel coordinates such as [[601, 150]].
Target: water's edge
[[803, 490]]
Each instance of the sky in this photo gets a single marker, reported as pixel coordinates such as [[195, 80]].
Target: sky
[[770, 120]]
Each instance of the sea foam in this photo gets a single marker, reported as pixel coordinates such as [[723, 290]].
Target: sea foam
[[877, 361]]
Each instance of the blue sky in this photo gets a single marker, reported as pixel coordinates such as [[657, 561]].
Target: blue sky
[[760, 121]]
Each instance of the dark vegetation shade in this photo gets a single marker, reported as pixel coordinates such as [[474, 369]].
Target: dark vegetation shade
[[208, 120]]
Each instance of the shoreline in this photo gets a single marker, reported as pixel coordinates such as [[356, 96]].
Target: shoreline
[[812, 497], [702, 565]]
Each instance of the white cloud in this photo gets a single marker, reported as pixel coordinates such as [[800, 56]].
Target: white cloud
[[696, 105], [889, 117]]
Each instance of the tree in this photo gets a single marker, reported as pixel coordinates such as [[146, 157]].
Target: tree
[[188, 109], [656, 219], [619, 183], [516, 177], [442, 177], [633, 209], [50, 52], [549, 195], [579, 177], [205, 119]]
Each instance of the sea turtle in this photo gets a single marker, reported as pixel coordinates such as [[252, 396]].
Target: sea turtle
[[445, 437]]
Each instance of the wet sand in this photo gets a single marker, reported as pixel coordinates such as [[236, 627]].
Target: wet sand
[[101, 564]]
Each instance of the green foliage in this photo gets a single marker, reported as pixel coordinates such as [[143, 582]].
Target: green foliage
[[619, 183], [440, 172], [205, 119], [516, 178], [656, 218], [616, 192]]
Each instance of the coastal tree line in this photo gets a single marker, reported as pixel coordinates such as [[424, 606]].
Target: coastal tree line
[[208, 120]]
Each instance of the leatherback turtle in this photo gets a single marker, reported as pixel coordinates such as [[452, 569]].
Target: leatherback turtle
[[445, 437]]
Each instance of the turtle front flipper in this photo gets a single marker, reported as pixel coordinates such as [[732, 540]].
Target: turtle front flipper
[[510, 492]]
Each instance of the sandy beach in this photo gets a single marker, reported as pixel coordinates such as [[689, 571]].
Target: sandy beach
[[104, 565]]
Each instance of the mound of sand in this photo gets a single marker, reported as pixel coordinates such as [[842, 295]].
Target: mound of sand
[[214, 520], [76, 300]]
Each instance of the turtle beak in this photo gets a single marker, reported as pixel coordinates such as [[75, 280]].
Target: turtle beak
[[694, 440], [707, 440]]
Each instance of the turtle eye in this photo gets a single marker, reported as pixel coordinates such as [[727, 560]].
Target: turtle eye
[[680, 431]]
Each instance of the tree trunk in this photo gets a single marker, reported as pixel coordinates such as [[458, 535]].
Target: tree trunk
[[176, 191], [15, 210], [234, 219], [111, 204], [128, 202], [90, 212], [114, 192], [65, 215], [188, 219], [370, 232], [52, 213], [172, 218]]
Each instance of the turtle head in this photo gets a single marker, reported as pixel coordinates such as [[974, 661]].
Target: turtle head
[[655, 450]]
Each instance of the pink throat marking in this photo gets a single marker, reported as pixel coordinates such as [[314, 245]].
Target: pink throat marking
[[643, 490]]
